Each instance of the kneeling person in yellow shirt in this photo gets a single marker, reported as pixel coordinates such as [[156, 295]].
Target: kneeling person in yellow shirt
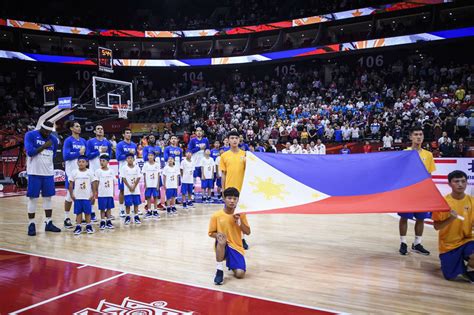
[[456, 243], [227, 227]]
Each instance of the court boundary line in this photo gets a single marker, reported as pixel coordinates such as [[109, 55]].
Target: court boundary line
[[57, 297], [179, 282]]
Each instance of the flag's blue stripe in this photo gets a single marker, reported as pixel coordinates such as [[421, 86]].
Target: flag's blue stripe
[[352, 174]]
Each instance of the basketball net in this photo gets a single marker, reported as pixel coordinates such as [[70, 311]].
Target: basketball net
[[122, 110]]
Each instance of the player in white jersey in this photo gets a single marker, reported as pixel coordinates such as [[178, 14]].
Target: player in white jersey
[[130, 174], [40, 148], [151, 175], [105, 185], [208, 167], [170, 179], [81, 190], [187, 180]]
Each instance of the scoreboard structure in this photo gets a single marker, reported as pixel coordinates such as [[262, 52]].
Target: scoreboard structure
[[105, 60]]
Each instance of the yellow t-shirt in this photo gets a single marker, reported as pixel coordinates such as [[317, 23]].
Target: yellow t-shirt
[[458, 232], [427, 159], [224, 223], [234, 166]]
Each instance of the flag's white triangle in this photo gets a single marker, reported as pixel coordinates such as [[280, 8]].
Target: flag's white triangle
[[266, 188]]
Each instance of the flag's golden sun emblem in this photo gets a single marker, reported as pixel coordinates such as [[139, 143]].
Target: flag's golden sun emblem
[[268, 188]]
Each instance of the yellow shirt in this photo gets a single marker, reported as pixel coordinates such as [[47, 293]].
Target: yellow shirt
[[427, 159], [234, 166], [224, 223], [458, 232]]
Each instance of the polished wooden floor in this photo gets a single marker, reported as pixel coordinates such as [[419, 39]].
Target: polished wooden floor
[[347, 263]]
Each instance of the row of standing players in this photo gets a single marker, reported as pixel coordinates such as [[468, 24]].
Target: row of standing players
[[41, 147]]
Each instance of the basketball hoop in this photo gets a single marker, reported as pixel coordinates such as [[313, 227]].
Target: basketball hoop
[[122, 110]]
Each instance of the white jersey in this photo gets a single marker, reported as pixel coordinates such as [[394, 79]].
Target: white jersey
[[171, 173], [132, 175], [209, 168], [106, 181], [320, 149], [218, 169], [151, 173], [286, 151], [188, 171], [82, 183]]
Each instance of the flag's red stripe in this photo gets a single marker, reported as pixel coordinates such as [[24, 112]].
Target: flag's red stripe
[[422, 196], [445, 161], [439, 176]]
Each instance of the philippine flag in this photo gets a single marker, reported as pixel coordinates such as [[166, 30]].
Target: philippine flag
[[354, 183]]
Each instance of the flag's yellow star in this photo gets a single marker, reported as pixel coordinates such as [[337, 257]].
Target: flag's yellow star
[[315, 195], [268, 188]]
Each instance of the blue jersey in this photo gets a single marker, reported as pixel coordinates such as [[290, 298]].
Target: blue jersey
[[93, 151], [214, 154], [71, 151], [93, 148], [226, 148], [175, 152], [260, 149], [122, 151], [244, 146], [152, 148], [195, 148], [40, 163], [338, 135]]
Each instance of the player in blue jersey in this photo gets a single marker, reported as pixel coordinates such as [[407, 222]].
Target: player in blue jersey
[[96, 147], [154, 147], [124, 147], [226, 146], [197, 146], [215, 150], [40, 147], [174, 151], [74, 146]]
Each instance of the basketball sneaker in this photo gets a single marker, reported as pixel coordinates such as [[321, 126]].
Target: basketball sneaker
[[122, 214], [156, 215], [244, 244], [468, 276], [32, 229], [219, 278], [78, 230], [403, 249], [89, 229], [50, 227], [137, 220], [93, 217], [102, 225], [127, 220], [419, 249], [68, 224], [148, 215], [109, 225], [174, 210]]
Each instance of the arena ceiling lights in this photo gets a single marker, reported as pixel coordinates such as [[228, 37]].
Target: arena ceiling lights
[[75, 30]]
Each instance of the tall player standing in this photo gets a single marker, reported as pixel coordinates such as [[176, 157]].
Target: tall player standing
[[124, 147], [74, 146], [40, 147], [197, 146], [96, 147]]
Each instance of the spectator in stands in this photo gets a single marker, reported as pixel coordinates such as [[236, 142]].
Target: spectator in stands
[[387, 141]]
